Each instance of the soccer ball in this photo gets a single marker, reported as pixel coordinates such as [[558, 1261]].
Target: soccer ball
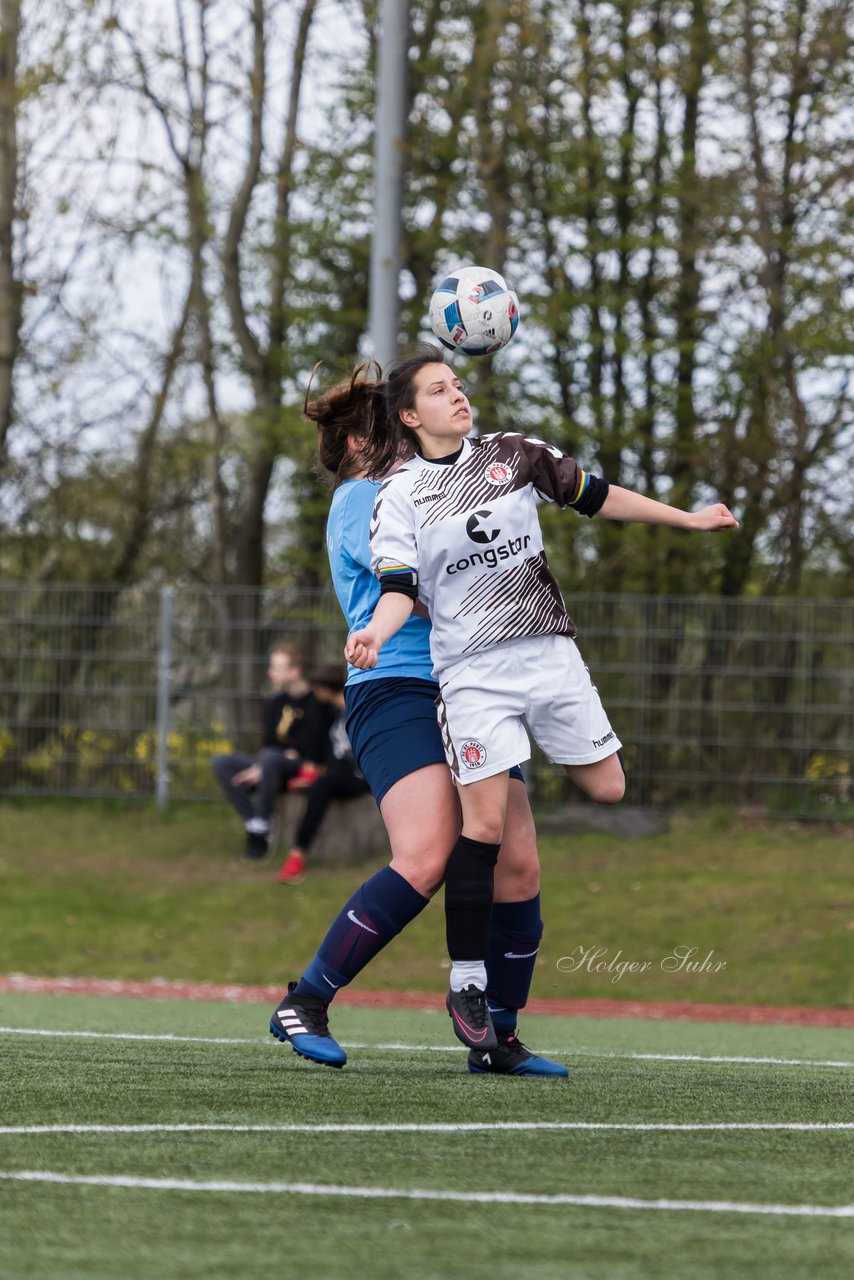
[[474, 310]]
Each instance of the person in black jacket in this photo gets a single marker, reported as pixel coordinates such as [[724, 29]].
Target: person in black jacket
[[340, 779], [295, 726]]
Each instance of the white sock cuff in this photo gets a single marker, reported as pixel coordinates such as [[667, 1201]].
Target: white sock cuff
[[468, 973]]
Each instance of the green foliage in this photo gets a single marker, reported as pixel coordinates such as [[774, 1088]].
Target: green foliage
[[606, 226], [76, 760], [665, 185], [136, 893]]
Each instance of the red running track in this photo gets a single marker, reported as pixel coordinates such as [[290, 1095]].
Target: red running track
[[679, 1011]]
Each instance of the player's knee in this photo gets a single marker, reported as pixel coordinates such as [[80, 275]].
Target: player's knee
[[516, 884], [527, 878], [517, 872], [609, 790], [487, 829], [604, 782], [424, 868]]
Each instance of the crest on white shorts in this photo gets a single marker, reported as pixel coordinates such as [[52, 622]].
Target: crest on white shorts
[[473, 754], [498, 473]]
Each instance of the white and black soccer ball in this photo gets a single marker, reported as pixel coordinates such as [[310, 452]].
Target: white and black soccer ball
[[474, 310]]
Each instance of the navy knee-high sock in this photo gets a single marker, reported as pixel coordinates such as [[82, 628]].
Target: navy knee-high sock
[[374, 915], [516, 929]]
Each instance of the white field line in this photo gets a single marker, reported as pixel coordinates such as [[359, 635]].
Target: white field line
[[398, 1046], [474, 1127], [166, 1037], [453, 1197], [696, 1057]]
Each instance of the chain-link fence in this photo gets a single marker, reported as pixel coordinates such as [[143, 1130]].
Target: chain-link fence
[[110, 692]]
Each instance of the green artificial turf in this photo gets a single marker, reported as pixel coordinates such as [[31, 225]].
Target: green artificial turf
[[106, 891], [224, 1069]]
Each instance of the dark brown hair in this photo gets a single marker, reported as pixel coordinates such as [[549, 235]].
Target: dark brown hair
[[348, 408], [400, 386], [368, 407]]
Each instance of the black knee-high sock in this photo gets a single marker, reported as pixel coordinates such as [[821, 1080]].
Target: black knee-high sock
[[469, 881]]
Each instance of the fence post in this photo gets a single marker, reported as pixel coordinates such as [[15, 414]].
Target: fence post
[[164, 668]]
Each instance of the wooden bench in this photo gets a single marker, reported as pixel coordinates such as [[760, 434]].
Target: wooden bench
[[352, 830]]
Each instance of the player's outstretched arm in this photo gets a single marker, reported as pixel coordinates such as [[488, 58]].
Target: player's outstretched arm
[[624, 504], [363, 647]]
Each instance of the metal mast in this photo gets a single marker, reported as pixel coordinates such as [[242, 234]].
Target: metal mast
[[389, 137]]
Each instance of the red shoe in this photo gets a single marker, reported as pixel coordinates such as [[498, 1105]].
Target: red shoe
[[308, 773], [293, 868]]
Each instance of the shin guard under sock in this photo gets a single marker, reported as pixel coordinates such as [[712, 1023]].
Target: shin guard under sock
[[469, 879], [374, 915]]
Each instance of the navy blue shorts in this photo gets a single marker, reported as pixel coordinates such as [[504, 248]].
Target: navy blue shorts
[[393, 729]]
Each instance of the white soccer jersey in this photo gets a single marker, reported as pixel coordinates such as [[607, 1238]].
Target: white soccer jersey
[[467, 535]]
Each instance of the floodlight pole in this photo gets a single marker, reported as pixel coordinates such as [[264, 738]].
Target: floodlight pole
[[389, 135]]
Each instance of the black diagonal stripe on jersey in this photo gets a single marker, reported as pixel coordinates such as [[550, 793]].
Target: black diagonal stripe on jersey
[[504, 446], [543, 604], [527, 603], [495, 590], [462, 479], [520, 624], [482, 588], [468, 487], [501, 592], [429, 478], [375, 513], [515, 624]]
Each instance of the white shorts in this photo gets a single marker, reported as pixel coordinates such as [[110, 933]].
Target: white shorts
[[485, 702]]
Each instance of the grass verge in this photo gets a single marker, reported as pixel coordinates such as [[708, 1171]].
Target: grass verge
[[110, 891]]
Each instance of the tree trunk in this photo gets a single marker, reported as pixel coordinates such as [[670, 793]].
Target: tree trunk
[[10, 287], [687, 302]]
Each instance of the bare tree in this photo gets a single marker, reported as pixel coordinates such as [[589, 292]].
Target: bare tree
[[10, 284]]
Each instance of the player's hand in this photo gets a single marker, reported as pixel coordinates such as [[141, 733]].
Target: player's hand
[[248, 777], [717, 516], [362, 648]]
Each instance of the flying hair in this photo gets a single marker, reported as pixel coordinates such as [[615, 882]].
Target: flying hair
[[344, 410], [367, 407]]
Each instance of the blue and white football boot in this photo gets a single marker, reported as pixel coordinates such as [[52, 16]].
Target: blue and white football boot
[[303, 1023]]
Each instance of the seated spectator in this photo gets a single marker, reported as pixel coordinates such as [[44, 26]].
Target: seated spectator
[[295, 731], [340, 779]]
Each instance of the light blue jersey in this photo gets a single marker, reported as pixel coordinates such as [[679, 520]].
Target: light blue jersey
[[348, 545]]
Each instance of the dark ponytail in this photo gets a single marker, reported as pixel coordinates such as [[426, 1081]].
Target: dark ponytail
[[348, 408], [368, 407]]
